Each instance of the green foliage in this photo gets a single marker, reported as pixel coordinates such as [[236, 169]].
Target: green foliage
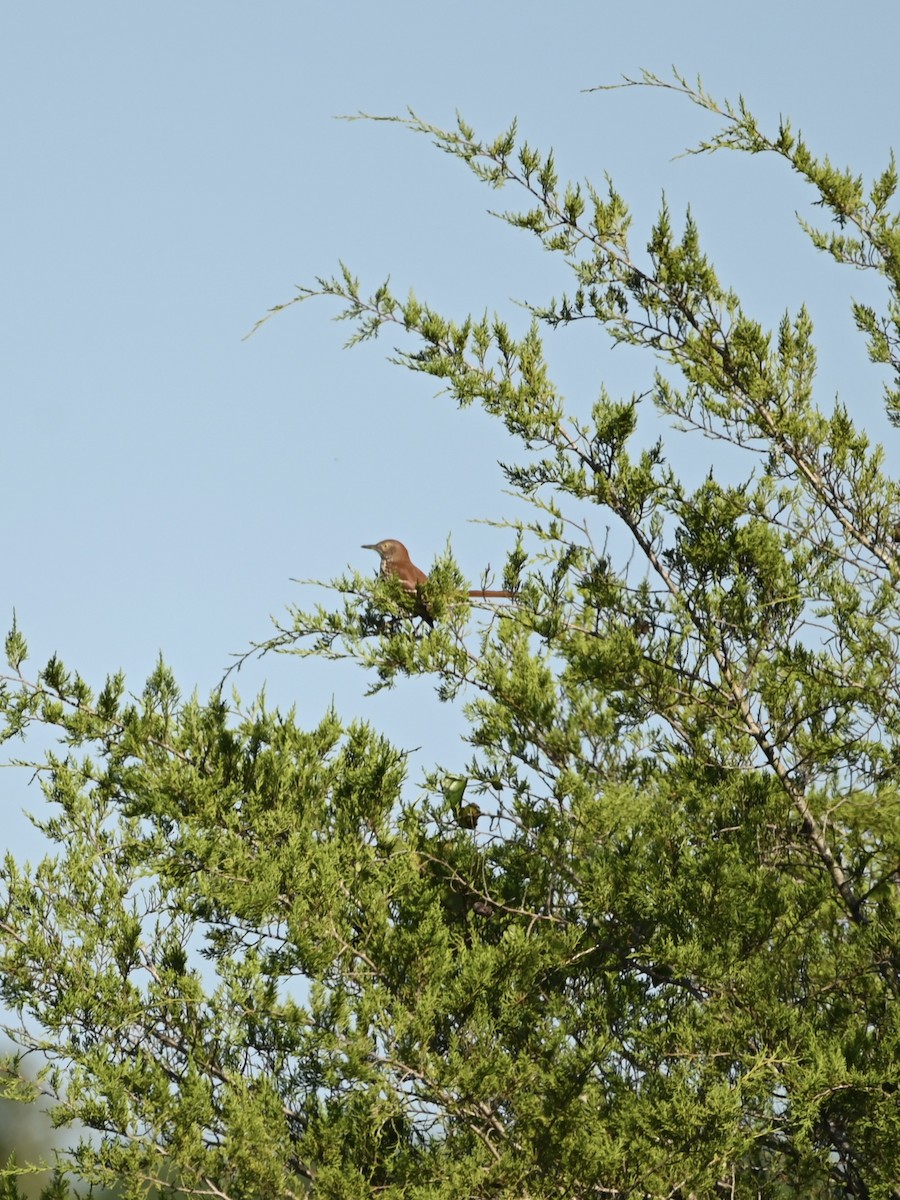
[[659, 956]]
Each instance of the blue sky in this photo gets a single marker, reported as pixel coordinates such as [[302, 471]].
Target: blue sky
[[173, 170]]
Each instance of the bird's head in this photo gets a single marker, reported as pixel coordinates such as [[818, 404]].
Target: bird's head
[[388, 549]]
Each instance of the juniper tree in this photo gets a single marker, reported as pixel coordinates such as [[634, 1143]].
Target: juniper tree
[[643, 939]]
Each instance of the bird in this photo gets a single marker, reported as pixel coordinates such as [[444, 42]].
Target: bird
[[395, 561], [454, 789], [468, 815]]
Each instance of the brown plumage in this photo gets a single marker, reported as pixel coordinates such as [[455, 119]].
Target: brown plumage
[[395, 561]]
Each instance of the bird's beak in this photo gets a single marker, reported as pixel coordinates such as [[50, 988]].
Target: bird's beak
[[366, 547]]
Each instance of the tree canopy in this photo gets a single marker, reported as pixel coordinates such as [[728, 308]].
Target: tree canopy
[[644, 939]]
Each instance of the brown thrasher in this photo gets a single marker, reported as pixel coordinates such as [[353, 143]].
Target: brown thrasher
[[395, 561]]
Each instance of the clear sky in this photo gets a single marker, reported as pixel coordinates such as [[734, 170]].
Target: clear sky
[[172, 170]]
